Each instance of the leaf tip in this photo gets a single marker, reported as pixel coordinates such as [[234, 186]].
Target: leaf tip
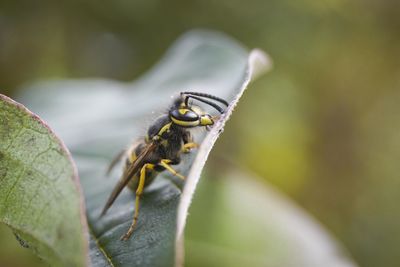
[[259, 63]]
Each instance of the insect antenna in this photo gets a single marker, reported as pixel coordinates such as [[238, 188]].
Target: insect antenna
[[206, 96], [221, 110]]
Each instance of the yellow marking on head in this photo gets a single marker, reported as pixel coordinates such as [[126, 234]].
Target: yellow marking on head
[[183, 111], [206, 120], [185, 123]]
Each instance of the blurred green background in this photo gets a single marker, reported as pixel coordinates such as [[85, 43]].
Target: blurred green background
[[323, 126]]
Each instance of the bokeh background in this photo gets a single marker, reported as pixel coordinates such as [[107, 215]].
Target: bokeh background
[[323, 127]]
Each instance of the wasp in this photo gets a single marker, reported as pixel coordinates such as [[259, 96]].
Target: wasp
[[167, 138]]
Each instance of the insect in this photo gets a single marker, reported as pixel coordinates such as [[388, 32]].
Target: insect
[[167, 138]]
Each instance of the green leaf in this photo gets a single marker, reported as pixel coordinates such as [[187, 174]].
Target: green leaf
[[106, 115], [97, 118], [39, 189], [249, 223], [257, 63]]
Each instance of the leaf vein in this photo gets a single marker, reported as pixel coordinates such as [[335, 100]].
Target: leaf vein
[[11, 189]]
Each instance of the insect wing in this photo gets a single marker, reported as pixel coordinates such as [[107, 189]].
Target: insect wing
[[128, 174]]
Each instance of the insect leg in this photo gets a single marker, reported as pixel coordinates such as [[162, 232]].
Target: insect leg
[[188, 143], [189, 146], [139, 191], [165, 163]]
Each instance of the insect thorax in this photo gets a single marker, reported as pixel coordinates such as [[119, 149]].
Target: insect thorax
[[170, 137]]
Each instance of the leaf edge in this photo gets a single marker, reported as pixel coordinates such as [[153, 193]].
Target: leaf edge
[[75, 176], [258, 63]]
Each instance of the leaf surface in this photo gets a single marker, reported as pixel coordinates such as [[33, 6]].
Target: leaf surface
[[39, 189], [98, 118], [250, 223]]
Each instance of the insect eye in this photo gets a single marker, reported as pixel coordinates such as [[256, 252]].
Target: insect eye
[[184, 114]]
